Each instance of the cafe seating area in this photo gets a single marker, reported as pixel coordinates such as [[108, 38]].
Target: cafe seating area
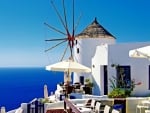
[[73, 91], [101, 104], [94, 107]]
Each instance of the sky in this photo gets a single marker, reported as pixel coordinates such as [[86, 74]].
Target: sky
[[23, 33]]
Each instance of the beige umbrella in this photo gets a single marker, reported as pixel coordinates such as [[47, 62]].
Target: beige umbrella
[[68, 66], [45, 92], [143, 52]]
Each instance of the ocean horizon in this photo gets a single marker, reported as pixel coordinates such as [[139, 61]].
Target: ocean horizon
[[21, 85]]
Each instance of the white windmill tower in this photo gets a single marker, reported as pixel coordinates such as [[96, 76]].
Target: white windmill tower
[[86, 43]]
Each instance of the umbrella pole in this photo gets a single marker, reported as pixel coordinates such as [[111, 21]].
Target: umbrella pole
[[67, 82], [66, 94], [66, 91]]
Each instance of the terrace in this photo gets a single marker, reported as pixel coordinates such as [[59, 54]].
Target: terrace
[[84, 105]]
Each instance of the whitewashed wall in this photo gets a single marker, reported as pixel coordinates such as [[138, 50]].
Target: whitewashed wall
[[87, 48], [100, 59], [119, 54]]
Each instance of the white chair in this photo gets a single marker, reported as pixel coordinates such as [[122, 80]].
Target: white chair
[[147, 111], [93, 103], [97, 107], [90, 103], [145, 104], [115, 111], [106, 109], [87, 107], [140, 107]]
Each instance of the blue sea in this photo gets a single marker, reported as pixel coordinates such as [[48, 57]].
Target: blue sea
[[19, 85]]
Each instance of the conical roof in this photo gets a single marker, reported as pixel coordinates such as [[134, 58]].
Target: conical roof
[[95, 30]]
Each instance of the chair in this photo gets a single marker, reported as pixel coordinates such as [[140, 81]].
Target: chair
[[97, 107], [106, 109], [93, 102], [145, 104], [147, 111], [115, 111], [140, 107], [90, 103], [69, 89], [77, 85], [86, 104]]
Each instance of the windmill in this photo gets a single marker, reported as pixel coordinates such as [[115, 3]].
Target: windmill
[[69, 36]]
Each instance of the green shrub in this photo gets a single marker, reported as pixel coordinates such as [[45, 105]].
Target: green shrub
[[45, 100], [117, 93]]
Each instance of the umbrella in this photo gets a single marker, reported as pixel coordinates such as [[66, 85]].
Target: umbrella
[[68, 66], [45, 91], [143, 52]]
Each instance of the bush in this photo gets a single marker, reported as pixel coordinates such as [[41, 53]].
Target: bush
[[117, 93], [45, 100]]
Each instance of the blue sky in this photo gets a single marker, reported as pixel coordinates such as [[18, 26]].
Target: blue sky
[[22, 31]]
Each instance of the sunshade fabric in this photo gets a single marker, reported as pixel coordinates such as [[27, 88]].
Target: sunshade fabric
[[68, 66], [143, 52], [45, 91]]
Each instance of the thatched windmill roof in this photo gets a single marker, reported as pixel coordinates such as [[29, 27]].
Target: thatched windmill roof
[[95, 30]]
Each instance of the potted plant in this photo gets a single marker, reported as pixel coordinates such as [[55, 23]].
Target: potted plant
[[88, 82], [121, 87], [88, 86]]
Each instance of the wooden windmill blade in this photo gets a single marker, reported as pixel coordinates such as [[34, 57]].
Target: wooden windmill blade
[[70, 36]]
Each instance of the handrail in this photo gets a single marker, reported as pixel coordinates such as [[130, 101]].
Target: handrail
[[72, 107]]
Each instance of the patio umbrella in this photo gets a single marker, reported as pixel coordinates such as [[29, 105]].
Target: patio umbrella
[[68, 66], [143, 52], [45, 91]]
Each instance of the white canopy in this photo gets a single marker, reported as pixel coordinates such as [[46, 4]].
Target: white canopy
[[68, 66], [143, 52], [45, 91]]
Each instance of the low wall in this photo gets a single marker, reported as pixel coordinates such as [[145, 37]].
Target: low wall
[[60, 104], [132, 102]]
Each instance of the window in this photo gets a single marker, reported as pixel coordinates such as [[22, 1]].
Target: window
[[77, 50], [76, 42], [123, 76], [82, 80], [105, 80]]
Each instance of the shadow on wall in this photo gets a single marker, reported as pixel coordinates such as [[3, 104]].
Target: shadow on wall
[[96, 89]]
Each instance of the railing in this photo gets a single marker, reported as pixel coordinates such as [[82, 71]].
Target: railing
[[72, 107], [35, 107]]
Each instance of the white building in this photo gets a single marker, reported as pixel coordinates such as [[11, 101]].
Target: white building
[[86, 43], [118, 54], [97, 48]]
